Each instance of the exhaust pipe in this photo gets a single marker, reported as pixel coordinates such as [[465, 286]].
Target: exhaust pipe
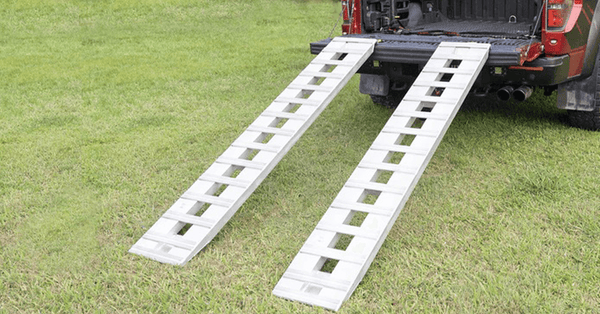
[[522, 93], [505, 92]]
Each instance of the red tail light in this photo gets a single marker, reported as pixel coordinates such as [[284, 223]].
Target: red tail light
[[558, 13]]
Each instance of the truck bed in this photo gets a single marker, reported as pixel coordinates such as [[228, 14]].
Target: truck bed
[[409, 31], [500, 29]]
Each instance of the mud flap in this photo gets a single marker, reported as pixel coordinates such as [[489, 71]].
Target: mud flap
[[579, 94]]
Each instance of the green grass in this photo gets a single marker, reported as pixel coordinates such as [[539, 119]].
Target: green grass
[[109, 110]]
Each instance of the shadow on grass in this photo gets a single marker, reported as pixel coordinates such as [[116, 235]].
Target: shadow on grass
[[538, 108]]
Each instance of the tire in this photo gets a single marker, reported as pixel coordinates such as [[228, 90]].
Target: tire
[[390, 101], [588, 120], [395, 95]]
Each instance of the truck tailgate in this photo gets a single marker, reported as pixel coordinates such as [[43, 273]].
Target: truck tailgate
[[419, 48]]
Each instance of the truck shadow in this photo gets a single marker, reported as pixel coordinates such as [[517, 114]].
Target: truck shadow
[[538, 108]]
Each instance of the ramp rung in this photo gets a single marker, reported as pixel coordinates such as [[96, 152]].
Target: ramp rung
[[455, 56], [224, 180], [446, 70], [434, 99], [258, 146], [241, 162], [395, 192], [411, 131], [316, 88], [254, 172], [420, 114], [317, 279], [322, 74], [347, 229], [271, 130], [374, 186], [332, 254], [399, 149], [331, 62], [207, 199], [285, 115], [440, 84], [170, 240], [300, 101], [189, 219], [388, 167], [360, 207], [344, 50], [357, 46]]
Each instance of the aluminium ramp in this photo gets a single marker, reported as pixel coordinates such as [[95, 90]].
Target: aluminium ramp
[[337, 254], [194, 220]]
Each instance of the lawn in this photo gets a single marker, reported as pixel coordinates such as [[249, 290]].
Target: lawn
[[110, 110]]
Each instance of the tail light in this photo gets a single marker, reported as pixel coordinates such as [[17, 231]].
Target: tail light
[[558, 13], [561, 18]]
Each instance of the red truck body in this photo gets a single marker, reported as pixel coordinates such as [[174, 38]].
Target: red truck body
[[549, 44]]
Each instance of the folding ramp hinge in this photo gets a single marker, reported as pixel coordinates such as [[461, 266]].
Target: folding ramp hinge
[[337, 254], [194, 220]]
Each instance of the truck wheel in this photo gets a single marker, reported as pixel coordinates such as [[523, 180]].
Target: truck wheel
[[589, 120], [392, 100]]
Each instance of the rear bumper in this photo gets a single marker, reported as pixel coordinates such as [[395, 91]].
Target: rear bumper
[[504, 53]]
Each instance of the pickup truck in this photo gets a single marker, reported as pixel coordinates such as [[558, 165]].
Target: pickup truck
[[548, 44]]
